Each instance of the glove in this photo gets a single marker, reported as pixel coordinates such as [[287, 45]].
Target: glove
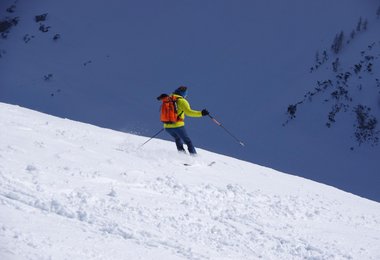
[[205, 112]]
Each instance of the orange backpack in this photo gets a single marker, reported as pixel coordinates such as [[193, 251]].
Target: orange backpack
[[169, 111]]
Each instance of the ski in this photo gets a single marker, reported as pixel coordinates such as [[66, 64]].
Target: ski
[[189, 164]]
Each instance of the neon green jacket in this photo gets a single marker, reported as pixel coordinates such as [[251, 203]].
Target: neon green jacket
[[183, 108]]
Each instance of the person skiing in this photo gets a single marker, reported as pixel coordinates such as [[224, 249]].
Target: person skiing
[[177, 129]]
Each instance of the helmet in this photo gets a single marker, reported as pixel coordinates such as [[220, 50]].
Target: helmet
[[182, 91]]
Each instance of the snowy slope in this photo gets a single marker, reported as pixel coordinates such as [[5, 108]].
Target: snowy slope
[[106, 62], [70, 190]]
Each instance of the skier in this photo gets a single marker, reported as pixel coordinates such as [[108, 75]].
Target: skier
[[177, 129]]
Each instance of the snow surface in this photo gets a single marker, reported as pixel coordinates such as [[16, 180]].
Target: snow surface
[[70, 190]]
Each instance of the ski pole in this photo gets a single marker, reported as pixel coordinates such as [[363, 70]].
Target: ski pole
[[225, 129], [162, 129]]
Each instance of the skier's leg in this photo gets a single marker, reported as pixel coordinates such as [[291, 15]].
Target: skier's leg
[[184, 136], [177, 138]]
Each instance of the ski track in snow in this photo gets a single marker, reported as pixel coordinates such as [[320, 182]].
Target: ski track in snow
[[73, 191]]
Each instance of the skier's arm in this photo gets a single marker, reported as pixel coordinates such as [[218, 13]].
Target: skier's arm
[[185, 107]]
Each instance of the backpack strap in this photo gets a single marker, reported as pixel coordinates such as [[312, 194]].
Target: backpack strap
[[176, 107]]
